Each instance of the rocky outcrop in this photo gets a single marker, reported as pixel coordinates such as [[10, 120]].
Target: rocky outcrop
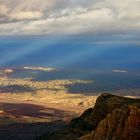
[[112, 118], [121, 124]]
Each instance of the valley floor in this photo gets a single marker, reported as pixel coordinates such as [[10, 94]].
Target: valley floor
[[21, 118]]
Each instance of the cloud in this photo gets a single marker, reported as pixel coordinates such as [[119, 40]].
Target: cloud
[[70, 16], [18, 10], [120, 71], [3, 10], [24, 15]]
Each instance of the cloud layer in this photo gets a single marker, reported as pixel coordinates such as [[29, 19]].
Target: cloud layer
[[69, 17]]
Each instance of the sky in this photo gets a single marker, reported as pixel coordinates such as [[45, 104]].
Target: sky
[[69, 17]]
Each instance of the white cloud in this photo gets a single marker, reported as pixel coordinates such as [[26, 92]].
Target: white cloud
[[70, 16], [3, 10], [23, 15], [120, 71]]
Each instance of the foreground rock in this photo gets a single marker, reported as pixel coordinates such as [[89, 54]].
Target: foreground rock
[[112, 118]]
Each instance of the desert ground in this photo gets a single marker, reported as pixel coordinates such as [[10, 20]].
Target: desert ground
[[18, 109], [30, 108]]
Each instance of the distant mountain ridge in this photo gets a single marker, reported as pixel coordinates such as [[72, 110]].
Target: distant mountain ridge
[[112, 118]]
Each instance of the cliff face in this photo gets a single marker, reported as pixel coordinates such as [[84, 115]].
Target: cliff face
[[120, 124], [112, 118]]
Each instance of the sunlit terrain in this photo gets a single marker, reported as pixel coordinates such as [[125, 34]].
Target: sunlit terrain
[[54, 97], [55, 91], [22, 85]]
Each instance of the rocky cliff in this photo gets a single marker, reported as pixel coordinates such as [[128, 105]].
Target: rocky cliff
[[112, 118]]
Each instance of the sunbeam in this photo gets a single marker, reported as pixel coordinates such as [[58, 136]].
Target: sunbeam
[[79, 54], [31, 47]]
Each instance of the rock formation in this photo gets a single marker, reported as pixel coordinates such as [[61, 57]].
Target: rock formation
[[112, 118]]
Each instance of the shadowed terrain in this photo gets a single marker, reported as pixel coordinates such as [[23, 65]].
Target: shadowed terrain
[[20, 121], [30, 110], [28, 131]]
